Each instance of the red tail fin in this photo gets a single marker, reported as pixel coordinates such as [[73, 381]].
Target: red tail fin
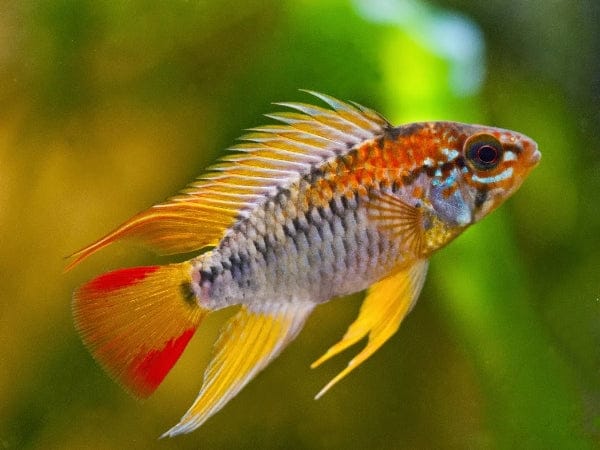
[[137, 322]]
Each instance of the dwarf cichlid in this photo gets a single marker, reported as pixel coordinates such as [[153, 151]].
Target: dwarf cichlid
[[326, 203]]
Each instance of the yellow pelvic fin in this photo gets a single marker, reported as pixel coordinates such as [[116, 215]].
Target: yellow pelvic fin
[[247, 344], [387, 303]]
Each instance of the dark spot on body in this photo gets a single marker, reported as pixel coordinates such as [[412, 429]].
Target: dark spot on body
[[320, 232], [240, 264], [283, 194], [288, 230], [309, 218], [430, 171], [369, 246], [344, 201], [297, 224], [315, 174], [346, 245], [206, 276], [260, 247], [270, 240], [480, 197], [410, 177], [382, 246], [187, 293], [333, 205], [447, 167], [322, 212], [393, 133]]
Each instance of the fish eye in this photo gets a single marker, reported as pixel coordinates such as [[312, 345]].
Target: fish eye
[[483, 151]]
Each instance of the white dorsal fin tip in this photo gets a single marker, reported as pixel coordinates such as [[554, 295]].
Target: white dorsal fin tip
[[305, 108], [336, 104], [375, 119], [272, 129], [325, 115], [329, 120]]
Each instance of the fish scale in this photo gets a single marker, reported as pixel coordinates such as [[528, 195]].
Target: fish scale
[[328, 202], [330, 252]]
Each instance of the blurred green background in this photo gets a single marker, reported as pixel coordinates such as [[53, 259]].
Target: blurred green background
[[109, 107]]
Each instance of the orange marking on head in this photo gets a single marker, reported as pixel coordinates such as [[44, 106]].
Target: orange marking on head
[[417, 192]]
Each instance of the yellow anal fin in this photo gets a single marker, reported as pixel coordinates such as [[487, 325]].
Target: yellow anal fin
[[249, 341], [386, 305]]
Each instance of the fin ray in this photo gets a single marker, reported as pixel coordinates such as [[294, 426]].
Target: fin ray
[[401, 220], [267, 158], [137, 322], [386, 305], [249, 341]]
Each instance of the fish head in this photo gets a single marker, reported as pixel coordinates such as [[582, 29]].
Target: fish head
[[497, 161], [478, 168]]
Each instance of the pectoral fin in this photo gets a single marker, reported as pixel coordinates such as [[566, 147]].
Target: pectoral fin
[[387, 303], [249, 341], [398, 219]]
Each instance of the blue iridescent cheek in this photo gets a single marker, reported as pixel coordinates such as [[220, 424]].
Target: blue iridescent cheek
[[452, 208]]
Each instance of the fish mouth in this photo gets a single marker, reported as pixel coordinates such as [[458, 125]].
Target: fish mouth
[[536, 156]]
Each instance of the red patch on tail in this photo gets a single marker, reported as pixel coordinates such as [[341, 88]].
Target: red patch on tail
[[120, 278], [150, 369]]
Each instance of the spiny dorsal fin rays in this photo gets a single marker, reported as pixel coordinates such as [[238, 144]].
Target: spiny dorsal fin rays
[[311, 142], [361, 114], [283, 145], [266, 158], [288, 139], [332, 120], [336, 132], [248, 343], [386, 305], [269, 158]]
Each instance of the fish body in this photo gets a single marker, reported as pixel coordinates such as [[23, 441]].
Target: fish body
[[331, 202]]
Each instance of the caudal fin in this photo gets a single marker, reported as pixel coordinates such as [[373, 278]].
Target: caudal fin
[[137, 322]]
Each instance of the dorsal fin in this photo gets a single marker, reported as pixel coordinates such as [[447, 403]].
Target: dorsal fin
[[267, 158]]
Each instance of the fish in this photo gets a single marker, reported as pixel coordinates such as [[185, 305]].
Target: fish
[[328, 201]]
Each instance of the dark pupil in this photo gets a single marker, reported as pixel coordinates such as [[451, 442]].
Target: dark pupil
[[487, 154]]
